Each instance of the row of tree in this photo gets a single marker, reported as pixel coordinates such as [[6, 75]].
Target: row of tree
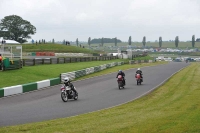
[[115, 41], [101, 41]]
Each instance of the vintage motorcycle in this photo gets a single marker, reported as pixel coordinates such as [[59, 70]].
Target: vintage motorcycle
[[68, 93], [120, 81]]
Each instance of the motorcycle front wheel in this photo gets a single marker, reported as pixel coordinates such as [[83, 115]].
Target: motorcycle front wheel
[[64, 97]]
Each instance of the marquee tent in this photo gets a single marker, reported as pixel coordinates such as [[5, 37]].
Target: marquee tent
[[9, 41]]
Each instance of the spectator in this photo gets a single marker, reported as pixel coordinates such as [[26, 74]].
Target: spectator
[[1, 61]]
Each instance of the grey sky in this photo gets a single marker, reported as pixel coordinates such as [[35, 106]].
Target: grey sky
[[71, 19]]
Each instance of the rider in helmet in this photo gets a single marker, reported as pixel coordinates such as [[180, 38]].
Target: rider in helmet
[[139, 72], [122, 74], [68, 83]]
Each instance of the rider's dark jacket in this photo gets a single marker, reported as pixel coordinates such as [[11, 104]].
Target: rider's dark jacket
[[120, 73], [70, 85], [139, 72]]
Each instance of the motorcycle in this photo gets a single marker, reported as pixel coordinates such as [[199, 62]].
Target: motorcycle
[[120, 81], [138, 79], [68, 93]]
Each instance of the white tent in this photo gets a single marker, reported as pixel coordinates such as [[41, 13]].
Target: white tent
[[9, 41]]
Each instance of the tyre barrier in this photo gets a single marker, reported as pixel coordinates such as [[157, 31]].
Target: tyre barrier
[[140, 61], [76, 74]]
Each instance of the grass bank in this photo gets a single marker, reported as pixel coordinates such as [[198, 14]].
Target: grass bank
[[57, 48], [173, 107]]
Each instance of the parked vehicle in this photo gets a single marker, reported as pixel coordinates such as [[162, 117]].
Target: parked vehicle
[[68, 93]]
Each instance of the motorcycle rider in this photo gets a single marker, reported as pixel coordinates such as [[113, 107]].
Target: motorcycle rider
[[67, 82], [123, 76], [139, 72]]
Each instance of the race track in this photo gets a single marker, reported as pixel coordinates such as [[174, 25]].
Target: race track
[[94, 94]]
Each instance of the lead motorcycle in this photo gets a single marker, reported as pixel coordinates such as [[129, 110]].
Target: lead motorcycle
[[68, 93], [120, 81]]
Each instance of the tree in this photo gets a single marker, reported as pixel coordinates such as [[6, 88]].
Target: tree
[[115, 41], [129, 40], [77, 41], [144, 41], [176, 41], [64, 41], [53, 41], [160, 41], [89, 41], [193, 41], [102, 42], [13, 27], [105, 40]]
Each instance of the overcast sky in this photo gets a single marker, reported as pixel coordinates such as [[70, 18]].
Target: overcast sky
[[71, 19]]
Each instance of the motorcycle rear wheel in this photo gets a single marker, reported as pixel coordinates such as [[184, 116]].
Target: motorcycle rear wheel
[[64, 97], [76, 97]]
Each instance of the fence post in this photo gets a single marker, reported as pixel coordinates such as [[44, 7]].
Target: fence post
[[43, 61], [57, 60], [23, 62], [50, 60], [34, 62], [70, 60]]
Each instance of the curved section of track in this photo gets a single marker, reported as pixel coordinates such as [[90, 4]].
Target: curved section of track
[[94, 94]]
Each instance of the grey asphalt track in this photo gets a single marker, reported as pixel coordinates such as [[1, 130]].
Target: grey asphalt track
[[94, 94]]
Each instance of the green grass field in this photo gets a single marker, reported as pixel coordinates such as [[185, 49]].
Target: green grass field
[[173, 107]]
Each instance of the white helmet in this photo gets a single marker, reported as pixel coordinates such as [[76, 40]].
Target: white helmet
[[138, 69], [66, 79]]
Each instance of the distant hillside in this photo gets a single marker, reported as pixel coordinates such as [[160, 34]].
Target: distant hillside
[[57, 48]]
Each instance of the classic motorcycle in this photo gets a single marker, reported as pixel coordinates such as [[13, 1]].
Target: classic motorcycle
[[68, 93], [138, 79], [120, 81]]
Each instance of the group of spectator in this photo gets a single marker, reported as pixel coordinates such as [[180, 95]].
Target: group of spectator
[[3, 42]]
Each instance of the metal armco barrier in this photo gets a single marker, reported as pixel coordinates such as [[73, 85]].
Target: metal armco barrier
[[61, 60]]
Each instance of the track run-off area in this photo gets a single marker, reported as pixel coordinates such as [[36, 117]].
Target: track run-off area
[[94, 94]]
